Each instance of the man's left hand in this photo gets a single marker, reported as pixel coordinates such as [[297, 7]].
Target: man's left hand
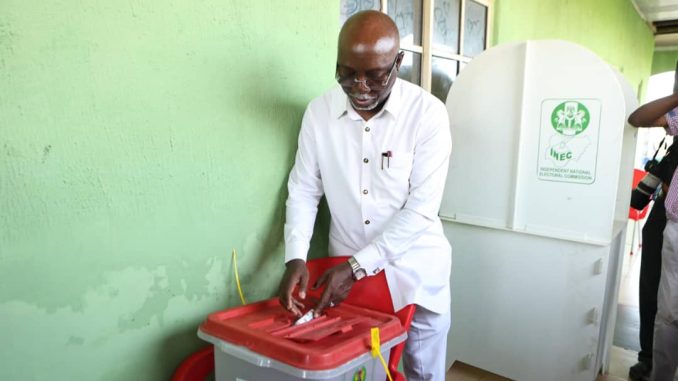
[[338, 282]]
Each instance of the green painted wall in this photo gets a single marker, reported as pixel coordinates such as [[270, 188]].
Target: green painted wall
[[139, 143], [610, 28], [664, 60]]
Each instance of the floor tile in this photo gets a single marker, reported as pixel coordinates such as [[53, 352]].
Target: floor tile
[[465, 372], [627, 327]]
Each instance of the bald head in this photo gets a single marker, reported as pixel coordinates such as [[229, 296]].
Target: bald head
[[368, 60], [369, 32]]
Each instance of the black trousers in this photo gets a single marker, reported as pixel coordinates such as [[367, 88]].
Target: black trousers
[[650, 270]]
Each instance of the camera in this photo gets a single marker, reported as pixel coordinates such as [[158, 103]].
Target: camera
[[657, 172]]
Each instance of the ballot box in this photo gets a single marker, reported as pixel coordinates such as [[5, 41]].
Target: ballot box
[[259, 341]]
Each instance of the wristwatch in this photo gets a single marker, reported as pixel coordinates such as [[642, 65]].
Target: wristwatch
[[358, 272]]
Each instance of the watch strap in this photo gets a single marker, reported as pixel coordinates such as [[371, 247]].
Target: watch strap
[[358, 272]]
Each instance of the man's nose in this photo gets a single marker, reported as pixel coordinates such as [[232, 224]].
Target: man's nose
[[362, 84]]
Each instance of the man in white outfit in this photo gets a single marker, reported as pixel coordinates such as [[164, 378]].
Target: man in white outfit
[[378, 148]]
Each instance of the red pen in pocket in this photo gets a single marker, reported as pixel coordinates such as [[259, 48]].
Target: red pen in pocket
[[388, 155]]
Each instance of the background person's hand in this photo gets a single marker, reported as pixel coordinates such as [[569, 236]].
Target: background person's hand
[[296, 273], [338, 282]]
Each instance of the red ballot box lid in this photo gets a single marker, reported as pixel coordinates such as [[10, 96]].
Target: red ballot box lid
[[340, 335]]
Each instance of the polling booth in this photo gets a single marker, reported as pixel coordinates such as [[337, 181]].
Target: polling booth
[[535, 207]]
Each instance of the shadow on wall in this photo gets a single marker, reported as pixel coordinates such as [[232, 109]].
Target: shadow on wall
[[321, 232], [175, 347], [277, 108], [281, 116]]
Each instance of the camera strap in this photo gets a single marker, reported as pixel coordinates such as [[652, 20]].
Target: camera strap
[[658, 148]]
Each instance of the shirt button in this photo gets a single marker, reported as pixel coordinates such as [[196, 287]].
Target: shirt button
[[364, 191], [366, 160], [367, 222], [367, 129]]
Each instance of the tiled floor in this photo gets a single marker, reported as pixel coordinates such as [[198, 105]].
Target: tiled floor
[[626, 334], [620, 361], [465, 372]]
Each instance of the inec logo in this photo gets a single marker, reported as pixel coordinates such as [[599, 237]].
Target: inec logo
[[570, 118], [360, 374]]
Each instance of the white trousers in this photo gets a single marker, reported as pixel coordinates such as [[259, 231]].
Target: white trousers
[[665, 350], [426, 347]]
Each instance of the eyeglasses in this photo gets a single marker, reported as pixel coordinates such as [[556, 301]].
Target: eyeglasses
[[371, 79]]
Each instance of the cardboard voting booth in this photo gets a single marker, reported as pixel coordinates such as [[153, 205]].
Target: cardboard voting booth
[[535, 206]]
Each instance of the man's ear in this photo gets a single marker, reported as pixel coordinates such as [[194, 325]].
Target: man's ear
[[399, 59]]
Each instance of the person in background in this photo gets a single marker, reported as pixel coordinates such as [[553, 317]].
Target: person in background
[[378, 149], [650, 269], [663, 112]]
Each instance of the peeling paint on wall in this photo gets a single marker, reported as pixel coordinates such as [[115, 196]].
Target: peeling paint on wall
[[139, 143]]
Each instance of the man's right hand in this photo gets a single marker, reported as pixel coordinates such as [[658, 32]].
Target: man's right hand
[[296, 273]]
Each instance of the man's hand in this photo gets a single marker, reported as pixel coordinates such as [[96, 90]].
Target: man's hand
[[296, 273], [338, 282]]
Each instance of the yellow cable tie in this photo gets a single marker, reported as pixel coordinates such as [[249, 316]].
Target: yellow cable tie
[[237, 278], [383, 363], [376, 350]]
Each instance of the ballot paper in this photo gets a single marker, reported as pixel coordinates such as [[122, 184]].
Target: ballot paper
[[305, 318]]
